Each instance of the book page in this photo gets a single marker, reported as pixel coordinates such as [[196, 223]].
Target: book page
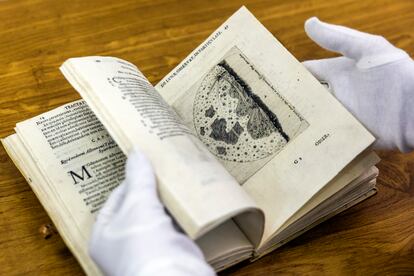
[[340, 207], [354, 189], [356, 169], [196, 189], [77, 157], [263, 116], [59, 214], [72, 165]]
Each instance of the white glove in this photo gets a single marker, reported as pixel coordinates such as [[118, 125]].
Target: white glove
[[373, 79], [134, 236]]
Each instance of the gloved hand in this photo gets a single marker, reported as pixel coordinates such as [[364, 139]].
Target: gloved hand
[[134, 236], [373, 79]]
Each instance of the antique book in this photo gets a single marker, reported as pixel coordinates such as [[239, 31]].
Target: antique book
[[249, 149]]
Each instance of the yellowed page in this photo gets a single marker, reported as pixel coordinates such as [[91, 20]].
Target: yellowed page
[[243, 93], [196, 189], [370, 191], [356, 169], [72, 164], [61, 215], [225, 245]]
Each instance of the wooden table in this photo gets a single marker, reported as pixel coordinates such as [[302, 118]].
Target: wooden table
[[36, 36]]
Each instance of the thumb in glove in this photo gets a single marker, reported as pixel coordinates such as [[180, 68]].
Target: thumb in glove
[[365, 49], [373, 79], [133, 235]]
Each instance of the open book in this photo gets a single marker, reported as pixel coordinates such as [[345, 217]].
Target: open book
[[249, 149]]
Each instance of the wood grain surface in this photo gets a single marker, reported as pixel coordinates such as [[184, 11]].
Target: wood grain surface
[[36, 36]]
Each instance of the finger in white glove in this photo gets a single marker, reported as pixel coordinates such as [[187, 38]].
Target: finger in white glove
[[373, 79], [133, 235], [365, 49]]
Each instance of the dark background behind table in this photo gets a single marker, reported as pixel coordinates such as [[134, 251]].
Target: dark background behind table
[[37, 36]]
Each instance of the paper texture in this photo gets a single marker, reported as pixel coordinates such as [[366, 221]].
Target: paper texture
[[264, 82], [72, 164], [239, 116], [192, 184], [74, 151]]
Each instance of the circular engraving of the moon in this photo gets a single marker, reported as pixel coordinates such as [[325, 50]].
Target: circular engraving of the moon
[[229, 120]]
